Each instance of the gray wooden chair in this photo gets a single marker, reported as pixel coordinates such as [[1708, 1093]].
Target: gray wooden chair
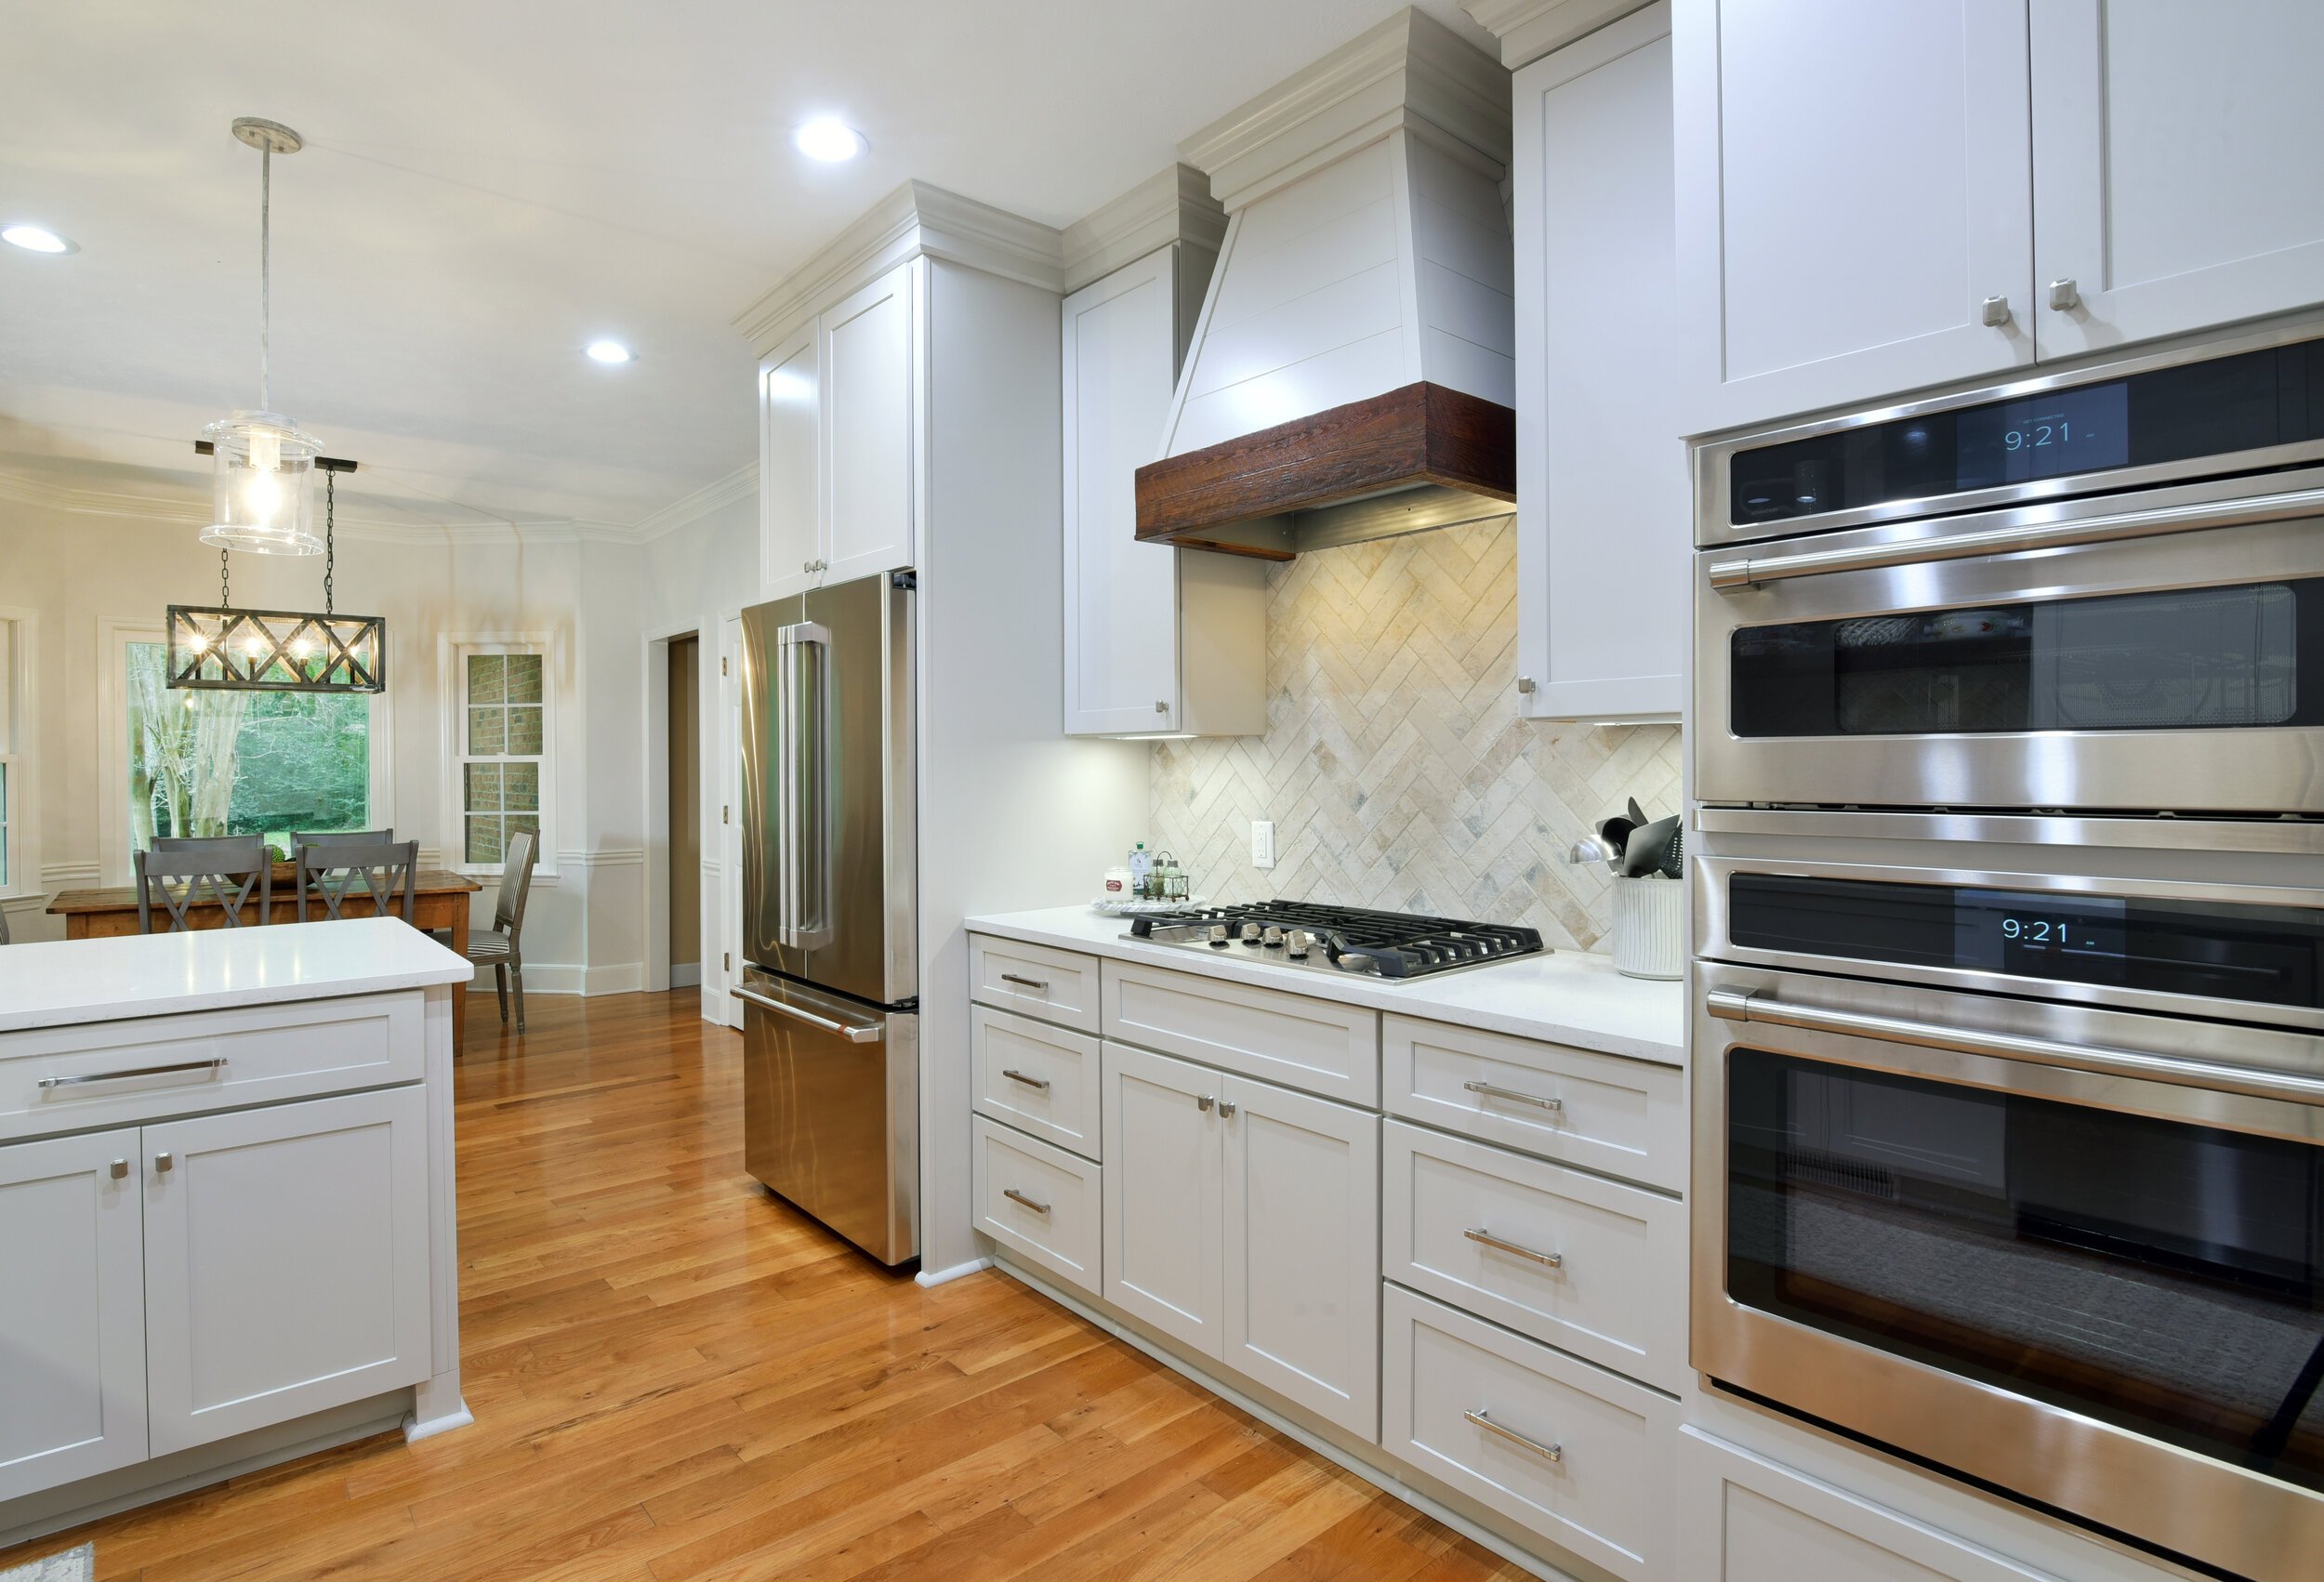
[[342, 837], [386, 871], [501, 948], [180, 869]]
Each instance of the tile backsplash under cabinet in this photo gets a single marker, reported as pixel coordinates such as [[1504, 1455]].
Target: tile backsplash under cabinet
[[1395, 766]]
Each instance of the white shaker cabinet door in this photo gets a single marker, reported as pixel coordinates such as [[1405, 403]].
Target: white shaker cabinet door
[[865, 355], [1302, 1249], [285, 1261], [1163, 1262], [790, 523], [72, 1310], [1854, 201], [1121, 596], [2176, 177]]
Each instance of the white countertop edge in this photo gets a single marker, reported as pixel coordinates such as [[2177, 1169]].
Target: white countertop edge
[[63, 983], [1569, 997]]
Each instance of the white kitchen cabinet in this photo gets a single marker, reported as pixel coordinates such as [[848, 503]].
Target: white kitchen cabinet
[[1855, 204], [285, 1261], [1158, 639], [790, 415], [72, 1314], [1164, 1185], [1040, 1202], [1603, 509], [864, 350], [2175, 178], [1302, 1249]]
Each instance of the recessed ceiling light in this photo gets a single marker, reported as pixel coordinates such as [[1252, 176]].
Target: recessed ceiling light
[[609, 351], [828, 140], [36, 239]]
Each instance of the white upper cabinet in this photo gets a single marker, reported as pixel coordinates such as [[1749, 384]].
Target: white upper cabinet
[[865, 347], [790, 523], [2176, 182], [1603, 504], [1854, 201]]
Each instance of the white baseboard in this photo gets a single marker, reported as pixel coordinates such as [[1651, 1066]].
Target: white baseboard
[[415, 1431], [686, 975], [570, 977], [943, 1276]]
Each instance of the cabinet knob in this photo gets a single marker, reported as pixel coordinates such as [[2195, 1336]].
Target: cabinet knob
[[1161, 708], [2065, 296], [1205, 1103], [164, 1162], [121, 1170], [1226, 1107], [1994, 312]]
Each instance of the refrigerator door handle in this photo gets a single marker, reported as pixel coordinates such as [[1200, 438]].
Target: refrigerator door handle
[[804, 797], [852, 1035]]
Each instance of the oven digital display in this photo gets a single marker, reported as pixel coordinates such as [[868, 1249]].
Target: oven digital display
[[2051, 436], [2032, 935]]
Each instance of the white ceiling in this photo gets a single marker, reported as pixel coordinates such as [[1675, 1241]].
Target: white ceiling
[[488, 185]]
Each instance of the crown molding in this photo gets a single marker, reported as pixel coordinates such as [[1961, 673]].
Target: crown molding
[[913, 221], [1411, 72], [1530, 29], [740, 484], [1171, 206]]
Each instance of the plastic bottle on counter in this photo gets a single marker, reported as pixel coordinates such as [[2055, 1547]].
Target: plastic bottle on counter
[[1116, 883], [1140, 872]]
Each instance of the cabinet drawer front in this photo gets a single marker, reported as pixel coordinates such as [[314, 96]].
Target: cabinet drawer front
[[1623, 1116], [113, 1072], [1056, 985], [1037, 1079], [1588, 1469], [1617, 1293], [1314, 1045], [1042, 1203]]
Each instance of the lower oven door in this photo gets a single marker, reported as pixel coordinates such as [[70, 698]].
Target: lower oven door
[[2075, 1253]]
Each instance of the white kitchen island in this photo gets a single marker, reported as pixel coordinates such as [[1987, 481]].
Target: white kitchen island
[[227, 1220]]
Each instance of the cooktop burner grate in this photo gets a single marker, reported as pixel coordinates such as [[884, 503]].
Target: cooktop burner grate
[[1387, 944]]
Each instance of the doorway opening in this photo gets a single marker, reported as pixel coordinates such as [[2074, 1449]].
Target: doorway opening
[[683, 798]]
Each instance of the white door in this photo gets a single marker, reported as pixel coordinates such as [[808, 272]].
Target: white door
[[1302, 1249], [791, 414], [2176, 177], [1602, 500], [866, 367], [285, 1261], [72, 1310], [729, 1009], [1163, 1261], [1854, 185], [1121, 596]]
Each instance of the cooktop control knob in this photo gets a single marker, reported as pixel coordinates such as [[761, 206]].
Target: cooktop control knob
[[1295, 944], [1356, 961], [1273, 938], [1251, 933], [1218, 935]]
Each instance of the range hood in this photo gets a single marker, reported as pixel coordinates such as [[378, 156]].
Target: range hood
[[1352, 373]]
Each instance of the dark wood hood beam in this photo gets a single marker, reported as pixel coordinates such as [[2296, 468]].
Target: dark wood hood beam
[[1420, 434]]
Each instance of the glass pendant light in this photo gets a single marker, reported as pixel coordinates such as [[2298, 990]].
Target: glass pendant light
[[263, 468]]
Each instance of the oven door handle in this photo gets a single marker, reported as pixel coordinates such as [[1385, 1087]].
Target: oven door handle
[[1750, 1005], [1752, 570]]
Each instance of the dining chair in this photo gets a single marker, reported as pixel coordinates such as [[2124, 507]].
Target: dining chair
[[341, 837], [501, 948], [386, 871], [228, 867]]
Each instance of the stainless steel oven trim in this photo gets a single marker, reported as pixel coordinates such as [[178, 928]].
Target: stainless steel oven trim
[[1713, 936], [1713, 458], [2254, 1525], [2290, 837]]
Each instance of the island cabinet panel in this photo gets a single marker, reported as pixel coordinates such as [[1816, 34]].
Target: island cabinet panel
[[285, 1261], [93, 1074], [71, 1311]]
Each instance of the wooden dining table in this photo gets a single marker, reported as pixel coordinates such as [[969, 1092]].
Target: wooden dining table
[[440, 905]]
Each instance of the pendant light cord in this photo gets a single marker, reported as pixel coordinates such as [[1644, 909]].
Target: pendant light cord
[[330, 535], [266, 271]]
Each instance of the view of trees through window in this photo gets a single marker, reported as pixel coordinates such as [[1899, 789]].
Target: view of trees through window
[[243, 763]]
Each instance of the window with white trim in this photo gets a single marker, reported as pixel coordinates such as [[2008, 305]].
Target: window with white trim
[[502, 742]]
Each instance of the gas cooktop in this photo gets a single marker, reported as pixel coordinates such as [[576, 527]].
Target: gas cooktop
[[1338, 939]]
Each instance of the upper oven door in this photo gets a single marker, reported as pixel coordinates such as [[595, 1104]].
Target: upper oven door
[[2164, 655]]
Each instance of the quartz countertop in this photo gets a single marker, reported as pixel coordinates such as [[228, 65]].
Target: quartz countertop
[[1563, 997], [59, 982]]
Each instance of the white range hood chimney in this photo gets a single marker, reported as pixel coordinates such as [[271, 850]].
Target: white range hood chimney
[[1353, 372]]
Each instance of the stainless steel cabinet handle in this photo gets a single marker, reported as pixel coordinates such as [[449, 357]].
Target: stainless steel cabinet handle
[[1489, 1091], [1226, 1106], [1205, 1103], [1731, 1005], [1014, 1193], [206, 1068], [1041, 1082], [2065, 296], [1161, 708], [1993, 312], [1547, 1260], [1547, 1452], [164, 1162], [852, 1035], [2147, 523], [121, 1170], [1039, 984]]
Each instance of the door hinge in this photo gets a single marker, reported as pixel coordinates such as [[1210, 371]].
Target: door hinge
[[721, 664], [726, 811], [904, 582], [726, 960]]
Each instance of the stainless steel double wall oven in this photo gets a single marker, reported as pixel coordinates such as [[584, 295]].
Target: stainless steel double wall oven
[[2009, 906]]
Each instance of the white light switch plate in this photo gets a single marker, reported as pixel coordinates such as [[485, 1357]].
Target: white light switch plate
[[1263, 843]]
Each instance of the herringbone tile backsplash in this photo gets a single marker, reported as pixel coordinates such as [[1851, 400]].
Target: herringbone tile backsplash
[[1395, 765]]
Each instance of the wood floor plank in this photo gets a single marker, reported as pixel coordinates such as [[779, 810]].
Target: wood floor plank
[[676, 1376]]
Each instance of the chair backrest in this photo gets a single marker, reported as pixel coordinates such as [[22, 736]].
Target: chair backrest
[[341, 837], [4, 928], [516, 882], [386, 871], [228, 866]]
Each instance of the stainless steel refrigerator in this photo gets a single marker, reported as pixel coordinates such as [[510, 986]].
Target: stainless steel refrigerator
[[831, 972]]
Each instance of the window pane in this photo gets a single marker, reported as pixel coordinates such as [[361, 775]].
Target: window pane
[[516, 821], [483, 838], [487, 678], [483, 787], [487, 731], [524, 678], [524, 730], [3, 826], [521, 785]]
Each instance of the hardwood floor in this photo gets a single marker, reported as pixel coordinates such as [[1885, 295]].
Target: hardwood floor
[[677, 1377]]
